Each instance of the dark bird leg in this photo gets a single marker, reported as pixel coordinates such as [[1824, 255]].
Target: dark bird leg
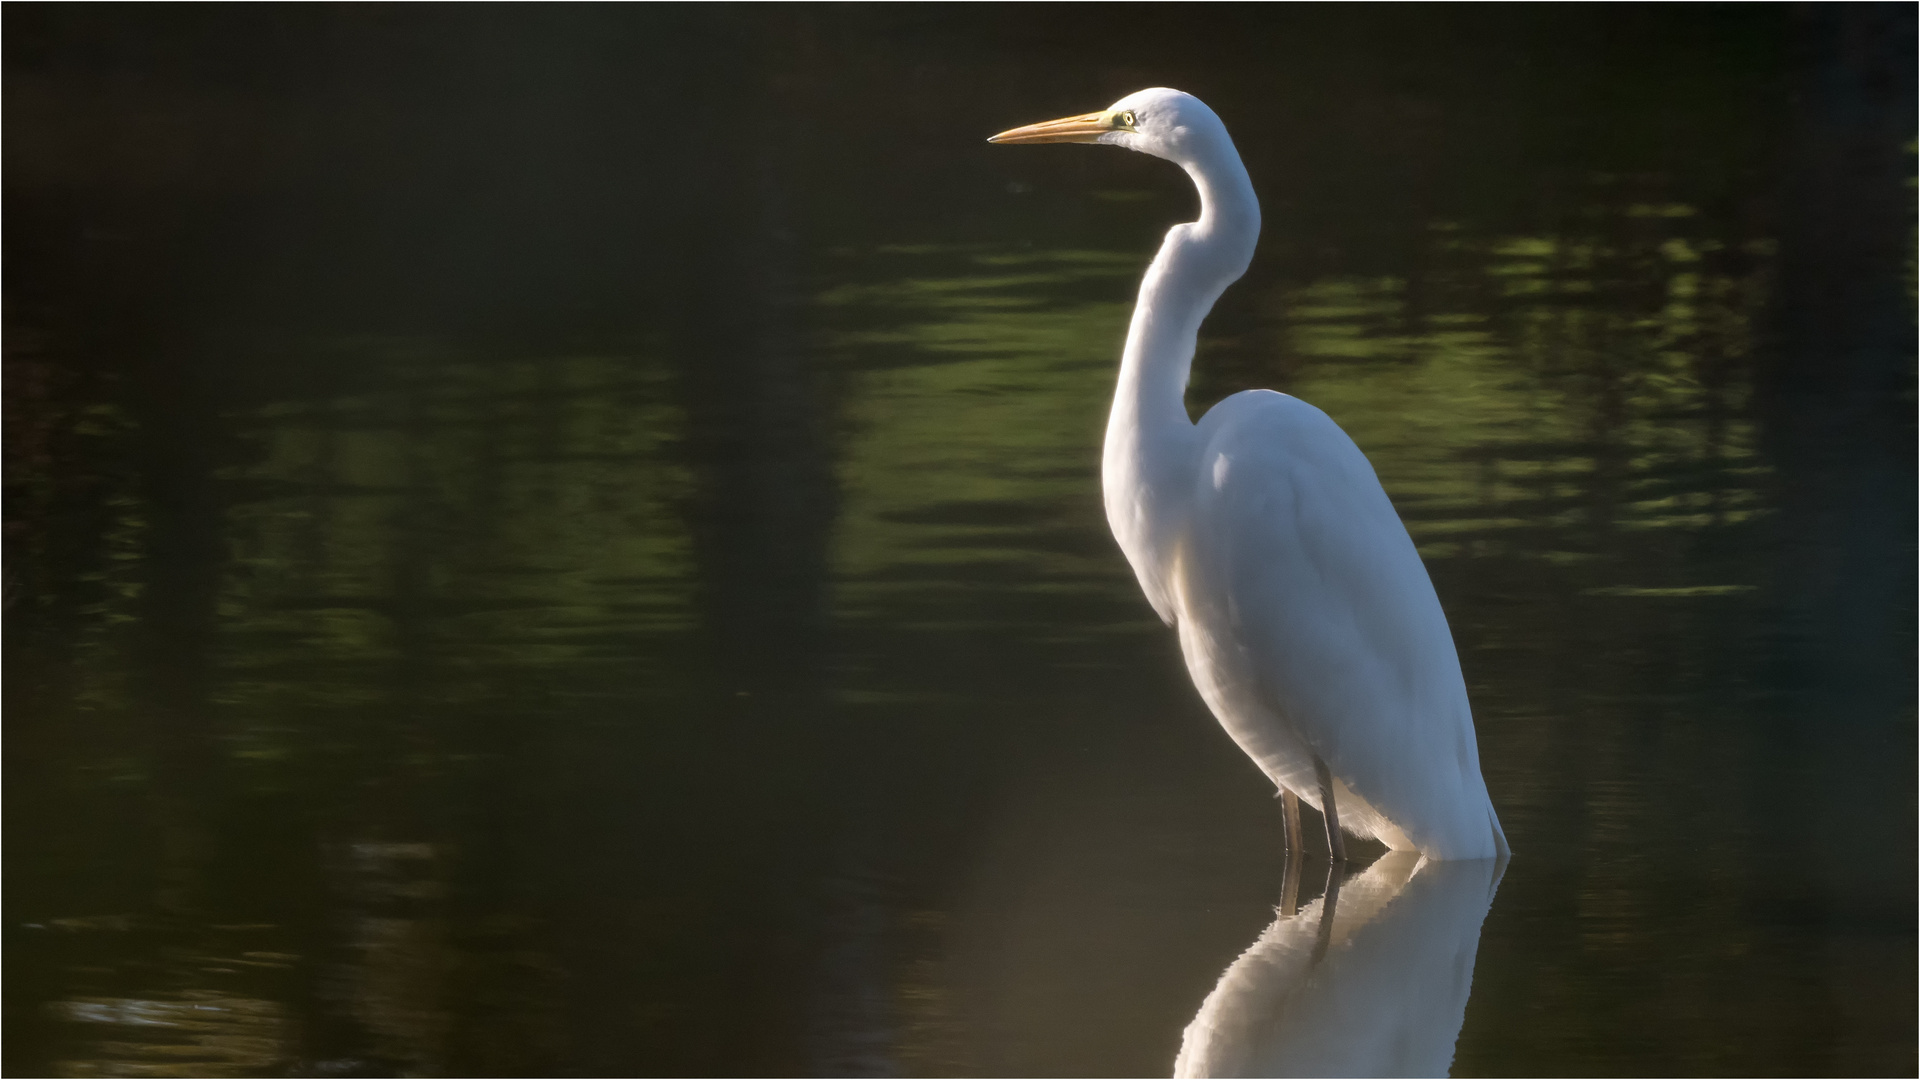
[[1324, 935], [1290, 809], [1336, 844], [1296, 854]]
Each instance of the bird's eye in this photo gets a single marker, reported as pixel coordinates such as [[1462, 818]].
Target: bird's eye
[[1127, 118]]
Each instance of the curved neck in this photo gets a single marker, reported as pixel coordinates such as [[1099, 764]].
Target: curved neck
[[1196, 263]]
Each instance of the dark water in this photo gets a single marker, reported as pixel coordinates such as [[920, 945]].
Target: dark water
[[568, 541]]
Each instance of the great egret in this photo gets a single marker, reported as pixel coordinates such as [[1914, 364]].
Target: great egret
[[1261, 533], [1375, 984]]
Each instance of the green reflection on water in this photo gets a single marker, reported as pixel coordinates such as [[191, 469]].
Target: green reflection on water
[[1505, 416], [973, 428], [420, 542]]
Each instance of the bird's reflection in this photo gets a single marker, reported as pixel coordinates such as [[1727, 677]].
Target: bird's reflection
[[1369, 980]]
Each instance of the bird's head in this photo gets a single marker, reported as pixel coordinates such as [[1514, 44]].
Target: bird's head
[[1166, 123]]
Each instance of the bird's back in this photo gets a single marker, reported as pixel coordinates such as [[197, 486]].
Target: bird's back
[[1312, 628]]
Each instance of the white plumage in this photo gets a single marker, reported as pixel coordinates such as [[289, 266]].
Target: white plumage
[[1374, 985], [1307, 619]]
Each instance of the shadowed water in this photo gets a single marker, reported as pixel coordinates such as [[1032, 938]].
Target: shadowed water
[[569, 542]]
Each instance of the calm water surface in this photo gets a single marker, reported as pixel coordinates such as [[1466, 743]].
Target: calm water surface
[[569, 542]]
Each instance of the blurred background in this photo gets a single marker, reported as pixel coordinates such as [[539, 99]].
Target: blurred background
[[566, 540]]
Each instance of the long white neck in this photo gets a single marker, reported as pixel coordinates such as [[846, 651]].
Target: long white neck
[[1150, 441]]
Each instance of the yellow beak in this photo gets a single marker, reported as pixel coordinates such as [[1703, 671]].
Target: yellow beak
[[1087, 127]]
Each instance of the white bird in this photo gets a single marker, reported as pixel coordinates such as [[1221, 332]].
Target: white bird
[[1373, 985], [1262, 535]]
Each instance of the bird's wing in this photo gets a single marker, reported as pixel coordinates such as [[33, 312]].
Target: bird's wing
[[1299, 559]]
